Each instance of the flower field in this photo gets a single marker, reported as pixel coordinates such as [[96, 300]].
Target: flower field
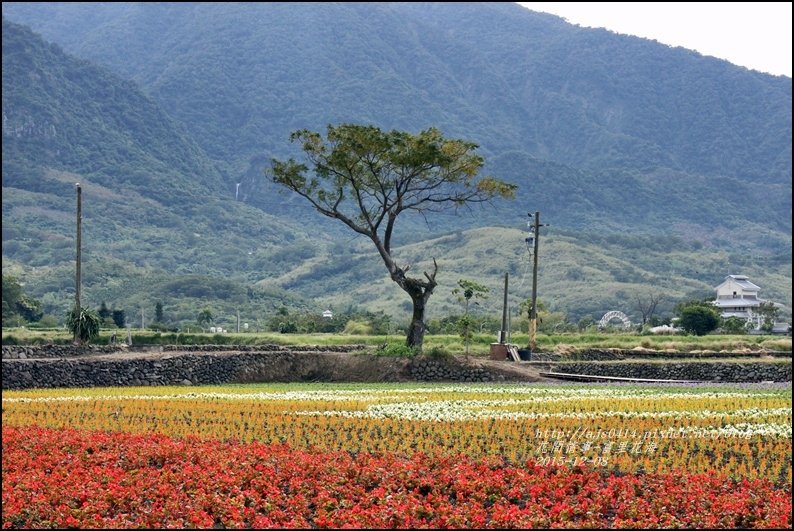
[[388, 455]]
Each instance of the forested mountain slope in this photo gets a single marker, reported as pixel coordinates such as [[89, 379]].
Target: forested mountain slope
[[153, 202], [610, 136]]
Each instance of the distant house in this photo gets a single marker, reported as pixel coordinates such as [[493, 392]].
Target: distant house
[[738, 297], [328, 314]]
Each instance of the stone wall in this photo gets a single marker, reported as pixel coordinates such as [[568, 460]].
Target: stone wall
[[190, 368], [722, 371], [449, 370], [615, 354], [72, 351], [28, 367], [21, 352]]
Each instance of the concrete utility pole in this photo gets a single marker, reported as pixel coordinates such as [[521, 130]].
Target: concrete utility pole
[[77, 276], [533, 316], [503, 331]]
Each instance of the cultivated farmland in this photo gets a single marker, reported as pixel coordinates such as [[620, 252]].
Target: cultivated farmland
[[399, 455]]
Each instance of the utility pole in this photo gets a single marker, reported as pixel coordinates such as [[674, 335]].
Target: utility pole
[[503, 331], [77, 276], [143, 324], [533, 315], [238, 321]]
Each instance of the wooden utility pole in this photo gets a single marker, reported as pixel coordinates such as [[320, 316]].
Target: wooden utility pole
[[533, 316], [77, 276]]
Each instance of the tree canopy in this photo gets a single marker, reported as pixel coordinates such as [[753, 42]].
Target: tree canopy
[[366, 178], [698, 317], [17, 304]]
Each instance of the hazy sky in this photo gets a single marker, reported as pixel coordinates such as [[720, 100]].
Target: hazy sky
[[753, 35]]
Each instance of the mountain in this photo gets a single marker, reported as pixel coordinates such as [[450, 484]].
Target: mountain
[[626, 120], [608, 135], [153, 203]]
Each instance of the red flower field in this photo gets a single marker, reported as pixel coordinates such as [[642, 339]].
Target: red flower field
[[71, 478]]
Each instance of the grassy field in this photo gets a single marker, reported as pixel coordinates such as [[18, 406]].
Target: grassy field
[[451, 344]]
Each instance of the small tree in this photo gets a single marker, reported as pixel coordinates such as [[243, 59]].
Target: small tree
[[104, 311], [84, 323], [367, 178], [29, 309], [698, 317], [465, 292], [12, 292], [158, 312], [17, 305], [769, 313], [204, 317], [646, 305], [734, 325], [119, 319], [525, 307]]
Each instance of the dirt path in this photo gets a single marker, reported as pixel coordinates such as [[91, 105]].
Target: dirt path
[[509, 369]]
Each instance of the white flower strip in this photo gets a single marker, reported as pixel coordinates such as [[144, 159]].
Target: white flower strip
[[379, 395], [458, 410]]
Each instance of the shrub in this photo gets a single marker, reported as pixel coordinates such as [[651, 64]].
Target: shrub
[[47, 321], [161, 327], [437, 352], [358, 328], [288, 328], [84, 323], [397, 350], [10, 340]]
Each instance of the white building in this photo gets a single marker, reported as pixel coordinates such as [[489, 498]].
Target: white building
[[738, 297]]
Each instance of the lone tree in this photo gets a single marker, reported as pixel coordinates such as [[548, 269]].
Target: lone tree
[[366, 178], [465, 292], [698, 317], [646, 305]]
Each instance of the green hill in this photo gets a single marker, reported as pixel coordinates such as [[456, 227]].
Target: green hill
[[580, 274]]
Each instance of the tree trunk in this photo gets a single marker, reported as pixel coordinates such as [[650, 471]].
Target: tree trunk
[[416, 332], [420, 292]]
